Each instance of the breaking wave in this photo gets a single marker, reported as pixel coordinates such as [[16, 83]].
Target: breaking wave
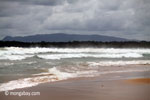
[[119, 63], [15, 57], [14, 53], [63, 69], [17, 50], [52, 75], [61, 56]]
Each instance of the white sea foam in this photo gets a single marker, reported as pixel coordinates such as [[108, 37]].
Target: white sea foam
[[119, 63], [16, 50], [56, 74], [15, 57], [53, 75], [60, 56], [14, 53], [60, 75], [29, 62], [8, 64], [17, 84]]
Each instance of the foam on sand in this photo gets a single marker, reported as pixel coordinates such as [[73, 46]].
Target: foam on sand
[[53, 75]]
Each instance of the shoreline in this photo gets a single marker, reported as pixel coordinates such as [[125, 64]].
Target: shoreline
[[93, 88]]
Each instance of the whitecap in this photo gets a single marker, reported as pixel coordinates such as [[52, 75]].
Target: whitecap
[[61, 56], [119, 63]]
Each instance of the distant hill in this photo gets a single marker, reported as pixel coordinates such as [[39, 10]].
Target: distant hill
[[61, 37]]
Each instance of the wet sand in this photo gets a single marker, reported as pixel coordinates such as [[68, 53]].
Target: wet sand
[[139, 80], [122, 86]]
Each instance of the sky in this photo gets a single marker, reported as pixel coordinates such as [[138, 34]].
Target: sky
[[120, 18]]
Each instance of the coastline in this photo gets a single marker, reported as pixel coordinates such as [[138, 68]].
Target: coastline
[[121, 86]]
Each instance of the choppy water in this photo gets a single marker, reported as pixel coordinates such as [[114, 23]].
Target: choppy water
[[25, 67]]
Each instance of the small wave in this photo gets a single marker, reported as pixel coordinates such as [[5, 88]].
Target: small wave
[[15, 57], [54, 74], [119, 63], [29, 62], [8, 64]]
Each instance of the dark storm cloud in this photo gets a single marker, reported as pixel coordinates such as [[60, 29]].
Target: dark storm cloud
[[123, 18]]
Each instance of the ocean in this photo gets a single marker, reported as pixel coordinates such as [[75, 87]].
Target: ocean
[[27, 67]]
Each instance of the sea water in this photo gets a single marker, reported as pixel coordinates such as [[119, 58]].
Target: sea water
[[26, 67]]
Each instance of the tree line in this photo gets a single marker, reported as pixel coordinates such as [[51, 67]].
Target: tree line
[[74, 44]]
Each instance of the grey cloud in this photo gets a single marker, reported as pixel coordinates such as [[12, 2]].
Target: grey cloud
[[42, 2], [123, 18], [84, 17], [142, 12]]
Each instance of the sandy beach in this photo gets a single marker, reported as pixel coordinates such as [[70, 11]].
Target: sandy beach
[[122, 86]]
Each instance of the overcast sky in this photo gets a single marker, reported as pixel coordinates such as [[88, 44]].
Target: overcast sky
[[121, 18]]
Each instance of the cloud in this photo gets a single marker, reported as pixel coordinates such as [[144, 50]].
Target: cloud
[[37, 2], [122, 18]]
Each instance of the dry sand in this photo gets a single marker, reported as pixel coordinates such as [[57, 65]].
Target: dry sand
[[97, 88]]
